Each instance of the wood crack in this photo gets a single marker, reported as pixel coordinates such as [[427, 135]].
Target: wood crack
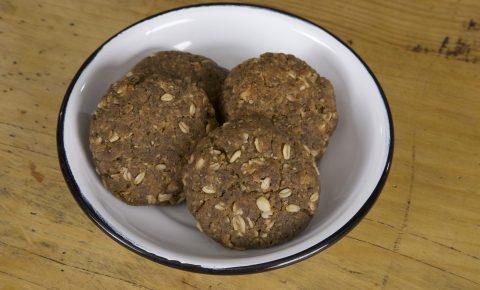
[[29, 150], [28, 129], [76, 267], [414, 259], [427, 239], [25, 280]]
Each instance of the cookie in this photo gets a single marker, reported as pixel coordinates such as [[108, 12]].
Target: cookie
[[288, 91], [190, 67], [141, 133], [250, 186]]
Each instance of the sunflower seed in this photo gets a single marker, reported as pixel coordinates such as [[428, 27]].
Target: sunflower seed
[[160, 167], [291, 98], [190, 160], [263, 204], [139, 178], [126, 174], [284, 193], [208, 189], [184, 127], [238, 224], [235, 156], [164, 197], [167, 97], [192, 109], [257, 145], [314, 197], [286, 151], [114, 137], [292, 208], [220, 206]]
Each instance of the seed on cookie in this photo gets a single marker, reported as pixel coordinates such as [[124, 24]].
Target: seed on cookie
[[265, 185], [284, 193], [208, 189], [167, 97], [192, 109], [162, 197], [139, 178], [184, 127], [215, 166], [292, 208], [263, 204], [160, 167], [286, 151], [235, 156], [220, 206], [257, 145], [114, 137], [238, 224]]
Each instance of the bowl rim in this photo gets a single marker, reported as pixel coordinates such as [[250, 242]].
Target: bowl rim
[[248, 269]]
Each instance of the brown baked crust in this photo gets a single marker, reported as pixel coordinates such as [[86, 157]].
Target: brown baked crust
[[250, 186], [202, 71], [141, 132], [288, 91]]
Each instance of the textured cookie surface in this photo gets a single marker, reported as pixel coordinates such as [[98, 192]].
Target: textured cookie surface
[[202, 71], [250, 186], [286, 90], [141, 133]]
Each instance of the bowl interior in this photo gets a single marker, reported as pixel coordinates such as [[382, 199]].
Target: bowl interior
[[350, 169]]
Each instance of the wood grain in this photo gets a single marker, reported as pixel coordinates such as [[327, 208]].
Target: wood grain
[[424, 231]]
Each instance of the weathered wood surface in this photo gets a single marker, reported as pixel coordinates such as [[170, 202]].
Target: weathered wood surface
[[424, 231]]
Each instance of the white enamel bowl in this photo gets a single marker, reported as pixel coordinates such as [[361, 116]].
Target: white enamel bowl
[[353, 169]]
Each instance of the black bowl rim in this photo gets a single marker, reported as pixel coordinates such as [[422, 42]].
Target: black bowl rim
[[255, 268]]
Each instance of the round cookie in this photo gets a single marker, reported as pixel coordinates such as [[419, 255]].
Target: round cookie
[[141, 133], [286, 90], [250, 186], [191, 67]]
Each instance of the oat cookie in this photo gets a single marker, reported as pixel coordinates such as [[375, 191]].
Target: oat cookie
[[191, 67], [286, 90], [141, 133], [250, 186]]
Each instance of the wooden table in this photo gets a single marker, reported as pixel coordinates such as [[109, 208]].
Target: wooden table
[[424, 231]]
